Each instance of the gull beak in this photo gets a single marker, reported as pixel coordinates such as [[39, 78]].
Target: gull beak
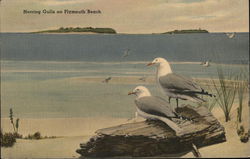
[[129, 93], [149, 64]]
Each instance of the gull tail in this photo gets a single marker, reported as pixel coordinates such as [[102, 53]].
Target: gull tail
[[182, 117], [172, 125], [196, 99], [203, 92]]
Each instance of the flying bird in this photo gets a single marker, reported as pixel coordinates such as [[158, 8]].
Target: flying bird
[[126, 53], [175, 85], [143, 78], [154, 108], [230, 35], [107, 80]]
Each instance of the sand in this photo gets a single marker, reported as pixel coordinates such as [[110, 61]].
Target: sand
[[135, 80], [70, 132], [74, 131], [233, 147], [64, 127]]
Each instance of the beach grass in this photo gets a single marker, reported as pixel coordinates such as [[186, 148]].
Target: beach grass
[[242, 88], [225, 90]]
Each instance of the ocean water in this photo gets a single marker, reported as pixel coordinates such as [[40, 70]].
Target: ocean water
[[39, 71], [216, 47]]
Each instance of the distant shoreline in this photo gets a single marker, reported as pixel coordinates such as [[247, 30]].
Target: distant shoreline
[[187, 31], [89, 33], [78, 30], [90, 30]]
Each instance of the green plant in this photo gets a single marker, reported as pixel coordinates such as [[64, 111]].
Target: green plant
[[244, 138], [11, 119], [240, 131], [14, 124], [17, 125], [242, 89], [37, 135], [225, 91], [7, 139]]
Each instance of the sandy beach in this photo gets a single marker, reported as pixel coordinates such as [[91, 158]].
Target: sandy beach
[[233, 147], [73, 131], [70, 132]]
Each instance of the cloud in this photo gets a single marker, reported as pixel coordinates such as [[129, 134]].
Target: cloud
[[183, 1], [63, 2], [203, 17], [130, 16]]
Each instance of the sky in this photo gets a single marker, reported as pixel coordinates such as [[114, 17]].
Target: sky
[[128, 16]]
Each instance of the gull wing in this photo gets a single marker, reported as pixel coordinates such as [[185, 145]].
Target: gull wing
[[155, 106], [178, 83]]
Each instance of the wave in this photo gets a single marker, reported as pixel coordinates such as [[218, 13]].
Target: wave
[[95, 62], [109, 63], [52, 71]]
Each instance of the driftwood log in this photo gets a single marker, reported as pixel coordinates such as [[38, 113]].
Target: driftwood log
[[155, 138]]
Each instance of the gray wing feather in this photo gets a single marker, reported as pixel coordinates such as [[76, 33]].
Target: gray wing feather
[[179, 83], [155, 106]]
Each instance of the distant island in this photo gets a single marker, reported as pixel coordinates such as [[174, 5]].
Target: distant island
[[187, 31], [80, 30]]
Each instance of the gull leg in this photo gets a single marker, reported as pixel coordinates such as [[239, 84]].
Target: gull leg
[[177, 102], [136, 115], [135, 118], [169, 98]]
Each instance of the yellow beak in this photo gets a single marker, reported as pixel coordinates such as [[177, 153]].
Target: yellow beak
[[129, 93], [149, 64]]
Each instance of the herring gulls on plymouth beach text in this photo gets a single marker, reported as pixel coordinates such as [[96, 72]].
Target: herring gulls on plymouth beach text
[[154, 108], [175, 85]]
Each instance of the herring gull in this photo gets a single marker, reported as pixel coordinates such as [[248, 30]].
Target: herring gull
[[154, 108], [175, 85]]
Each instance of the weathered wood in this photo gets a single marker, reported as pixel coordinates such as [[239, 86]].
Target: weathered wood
[[155, 138], [195, 151]]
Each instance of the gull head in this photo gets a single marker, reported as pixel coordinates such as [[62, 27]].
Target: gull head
[[140, 91], [157, 61]]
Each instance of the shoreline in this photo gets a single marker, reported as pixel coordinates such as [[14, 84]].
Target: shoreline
[[119, 62], [145, 33]]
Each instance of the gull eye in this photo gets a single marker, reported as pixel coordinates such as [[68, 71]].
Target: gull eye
[[137, 89]]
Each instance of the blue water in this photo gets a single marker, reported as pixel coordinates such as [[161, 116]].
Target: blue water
[[37, 70], [180, 47]]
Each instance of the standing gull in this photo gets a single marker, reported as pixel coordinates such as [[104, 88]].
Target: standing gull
[[206, 64], [154, 108], [177, 86]]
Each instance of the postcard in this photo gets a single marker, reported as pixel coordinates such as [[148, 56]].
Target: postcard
[[124, 78]]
